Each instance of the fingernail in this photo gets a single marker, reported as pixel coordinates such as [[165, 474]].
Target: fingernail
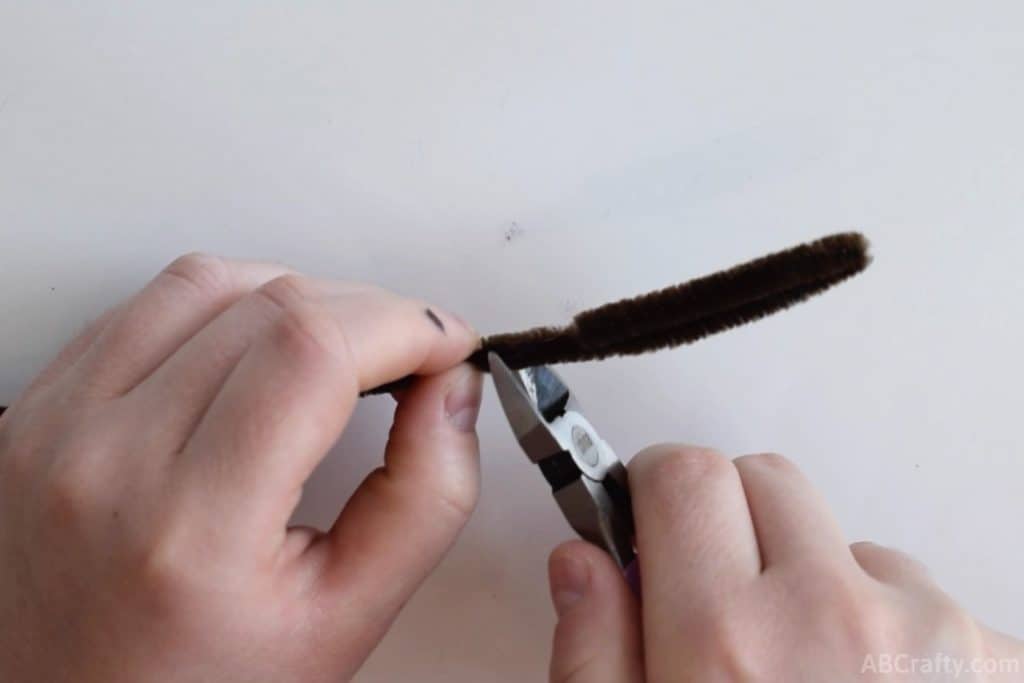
[[462, 404], [570, 578]]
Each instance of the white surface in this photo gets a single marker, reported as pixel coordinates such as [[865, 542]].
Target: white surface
[[517, 161]]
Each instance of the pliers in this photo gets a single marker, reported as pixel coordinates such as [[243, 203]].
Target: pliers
[[588, 480]]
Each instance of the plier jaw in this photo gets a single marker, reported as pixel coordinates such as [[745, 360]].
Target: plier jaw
[[587, 479]]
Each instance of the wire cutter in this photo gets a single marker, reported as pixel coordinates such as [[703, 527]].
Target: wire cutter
[[587, 479]]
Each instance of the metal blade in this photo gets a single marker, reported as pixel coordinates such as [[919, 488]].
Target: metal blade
[[528, 425]]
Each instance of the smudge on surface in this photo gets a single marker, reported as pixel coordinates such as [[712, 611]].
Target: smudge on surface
[[513, 232]]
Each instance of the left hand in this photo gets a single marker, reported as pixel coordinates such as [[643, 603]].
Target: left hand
[[148, 475]]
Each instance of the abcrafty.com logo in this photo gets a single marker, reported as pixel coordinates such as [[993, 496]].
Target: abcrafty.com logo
[[938, 664]]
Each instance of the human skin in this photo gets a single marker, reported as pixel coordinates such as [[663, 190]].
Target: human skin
[[747, 577], [148, 474]]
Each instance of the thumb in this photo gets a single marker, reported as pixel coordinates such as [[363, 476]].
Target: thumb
[[598, 635], [403, 518]]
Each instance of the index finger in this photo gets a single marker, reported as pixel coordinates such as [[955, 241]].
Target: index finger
[[287, 400], [695, 539]]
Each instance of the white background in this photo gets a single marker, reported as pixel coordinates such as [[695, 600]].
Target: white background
[[519, 161]]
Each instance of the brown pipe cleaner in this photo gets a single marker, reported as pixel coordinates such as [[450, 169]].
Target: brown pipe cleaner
[[683, 313]]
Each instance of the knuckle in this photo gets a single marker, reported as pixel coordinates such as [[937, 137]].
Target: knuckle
[[68, 495], [303, 329], [848, 608], [671, 465], [728, 647], [204, 273], [454, 502], [867, 619], [287, 292], [161, 564], [575, 666], [308, 337], [457, 496], [773, 461], [460, 501]]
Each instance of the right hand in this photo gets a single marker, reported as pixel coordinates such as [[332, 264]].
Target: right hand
[[747, 577]]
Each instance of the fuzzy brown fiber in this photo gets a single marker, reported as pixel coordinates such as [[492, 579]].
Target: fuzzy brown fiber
[[682, 313]]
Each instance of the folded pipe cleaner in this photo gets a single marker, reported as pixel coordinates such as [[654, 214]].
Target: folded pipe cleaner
[[682, 313]]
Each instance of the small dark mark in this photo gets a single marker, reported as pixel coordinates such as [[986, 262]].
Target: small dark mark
[[53, 289], [513, 232], [686, 312], [117, 513], [434, 319]]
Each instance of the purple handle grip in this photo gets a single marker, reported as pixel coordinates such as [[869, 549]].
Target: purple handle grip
[[632, 574]]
